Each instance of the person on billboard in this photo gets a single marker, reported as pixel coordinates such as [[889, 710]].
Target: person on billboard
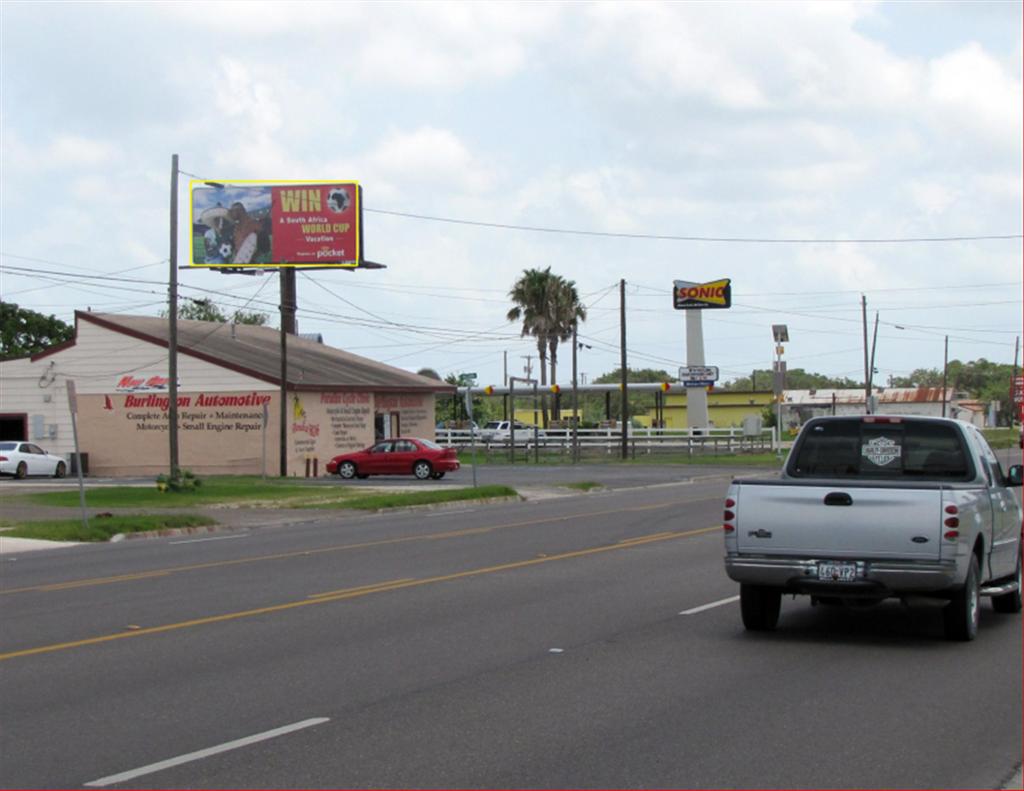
[[251, 234], [217, 238]]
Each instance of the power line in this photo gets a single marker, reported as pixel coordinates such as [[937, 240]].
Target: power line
[[686, 238]]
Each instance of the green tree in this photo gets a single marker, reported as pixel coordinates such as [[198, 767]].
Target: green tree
[[24, 332], [796, 379], [638, 402], [205, 310]]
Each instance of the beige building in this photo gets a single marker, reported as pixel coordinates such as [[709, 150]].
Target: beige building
[[228, 398]]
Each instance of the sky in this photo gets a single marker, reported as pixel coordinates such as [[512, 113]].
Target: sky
[[816, 154]]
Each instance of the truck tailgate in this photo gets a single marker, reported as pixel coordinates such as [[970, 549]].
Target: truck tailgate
[[857, 522]]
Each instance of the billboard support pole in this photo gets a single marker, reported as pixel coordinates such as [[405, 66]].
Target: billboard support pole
[[287, 276]]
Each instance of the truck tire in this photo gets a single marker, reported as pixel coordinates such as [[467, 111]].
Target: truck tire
[[759, 606], [960, 618], [1010, 602]]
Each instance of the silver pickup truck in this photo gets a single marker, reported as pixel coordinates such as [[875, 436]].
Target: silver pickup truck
[[876, 507]]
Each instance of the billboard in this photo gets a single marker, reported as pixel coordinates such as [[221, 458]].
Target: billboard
[[687, 295], [275, 224]]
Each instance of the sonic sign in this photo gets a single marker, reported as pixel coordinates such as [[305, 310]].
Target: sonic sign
[[276, 224], [689, 296]]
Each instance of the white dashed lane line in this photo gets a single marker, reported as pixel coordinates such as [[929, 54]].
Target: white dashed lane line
[[704, 607], [198, 755]]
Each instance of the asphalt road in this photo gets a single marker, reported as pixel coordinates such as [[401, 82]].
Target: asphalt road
[[580, 641]]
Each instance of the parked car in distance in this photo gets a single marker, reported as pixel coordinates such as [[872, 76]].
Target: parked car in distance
[[497, 432], [21, 459], [396, 456]]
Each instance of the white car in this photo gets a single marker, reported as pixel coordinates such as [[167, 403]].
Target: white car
[[20, 459], [500, 432]]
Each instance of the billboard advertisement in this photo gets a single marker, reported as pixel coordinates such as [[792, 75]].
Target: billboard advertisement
[[275, 224], [687, 295]]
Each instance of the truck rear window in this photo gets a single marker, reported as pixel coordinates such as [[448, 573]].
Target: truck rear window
[[891, 450]]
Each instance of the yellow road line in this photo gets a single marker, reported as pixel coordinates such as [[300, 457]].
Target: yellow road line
[[58, 586], [351, 593], [374, 588]]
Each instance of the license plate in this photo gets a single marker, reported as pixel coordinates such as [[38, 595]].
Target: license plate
[[837, 571]]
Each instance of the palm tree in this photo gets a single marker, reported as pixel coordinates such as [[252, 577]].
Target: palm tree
[[531, 294], [549, 308], [565, 313]]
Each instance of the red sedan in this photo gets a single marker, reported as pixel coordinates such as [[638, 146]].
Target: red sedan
[[396, 456]]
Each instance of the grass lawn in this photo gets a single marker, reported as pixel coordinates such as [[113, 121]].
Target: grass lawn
[[583, 486], [256, 492], [101, 528], [373, 502], [1002, 437], [217, 490]]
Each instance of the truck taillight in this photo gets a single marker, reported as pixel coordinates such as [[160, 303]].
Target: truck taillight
[[951, 535], [953, 521], [952, 509], [3, 458], [729, 516]]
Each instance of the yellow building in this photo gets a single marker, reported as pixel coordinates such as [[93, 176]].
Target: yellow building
[[726, 408]]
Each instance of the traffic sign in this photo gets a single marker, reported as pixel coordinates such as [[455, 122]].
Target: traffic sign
[[698, 375]]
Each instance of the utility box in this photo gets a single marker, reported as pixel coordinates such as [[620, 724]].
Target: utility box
[[752, 425], [73, 466]]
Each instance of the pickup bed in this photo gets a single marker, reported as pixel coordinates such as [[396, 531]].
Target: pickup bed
[[876, 507]]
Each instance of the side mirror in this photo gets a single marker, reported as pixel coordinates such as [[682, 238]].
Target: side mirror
[[1015, 475]]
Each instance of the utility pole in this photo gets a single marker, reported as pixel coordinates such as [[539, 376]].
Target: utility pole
[[528, 368], [945, 371], [172, 317], [1013, 382], [622, 355], [867, 377], [871, 366], [576, 400]]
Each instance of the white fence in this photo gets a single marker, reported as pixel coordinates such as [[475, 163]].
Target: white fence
[[609, 440]]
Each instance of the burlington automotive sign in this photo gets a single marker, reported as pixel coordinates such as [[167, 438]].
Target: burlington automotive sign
[[687, 295], [243, 224]]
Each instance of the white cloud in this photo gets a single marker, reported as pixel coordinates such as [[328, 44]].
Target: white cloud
[[971, 91], [932, 197], [427, 156]]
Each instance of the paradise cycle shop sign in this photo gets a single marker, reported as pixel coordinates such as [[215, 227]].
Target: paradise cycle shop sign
[[276, 224]]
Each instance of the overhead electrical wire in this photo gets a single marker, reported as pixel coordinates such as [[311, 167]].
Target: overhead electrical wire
[[694, 238]]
